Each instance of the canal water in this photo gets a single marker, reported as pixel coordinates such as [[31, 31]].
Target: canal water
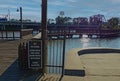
[[86, 42], [55, 48], [92, 42]]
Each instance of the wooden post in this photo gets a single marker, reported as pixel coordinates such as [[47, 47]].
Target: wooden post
[[19, 55], [44, 34]]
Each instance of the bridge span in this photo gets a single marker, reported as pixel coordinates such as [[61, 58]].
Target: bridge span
[[98, 32]]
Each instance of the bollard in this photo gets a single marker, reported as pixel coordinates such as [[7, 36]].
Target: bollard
[[26, 56], [23, 56], [19, 55]]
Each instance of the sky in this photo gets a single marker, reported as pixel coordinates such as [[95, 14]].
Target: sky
[[72, 8]]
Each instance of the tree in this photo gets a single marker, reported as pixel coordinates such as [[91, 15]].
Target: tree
[[59, 20], [67, 20], [14, 20], [63, 20], [51, 21], [113, 21]]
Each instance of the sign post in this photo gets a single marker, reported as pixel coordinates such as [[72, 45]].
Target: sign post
[[35, 54]]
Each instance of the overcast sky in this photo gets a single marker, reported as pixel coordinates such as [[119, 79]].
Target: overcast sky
[[72, 8]]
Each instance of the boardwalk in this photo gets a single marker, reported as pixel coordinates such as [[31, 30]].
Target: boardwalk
[[8, 54], [50, 77], [9, 69]]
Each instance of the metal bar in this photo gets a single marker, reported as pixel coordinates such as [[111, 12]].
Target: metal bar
[[48, 62], [61, 54], [63, 58], [60, 78], [50, 56], [57, 54], [52, 66], [6, 35], [51, 52], [13, 35], [2, 34], [53, 55]]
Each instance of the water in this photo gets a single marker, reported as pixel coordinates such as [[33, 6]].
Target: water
[[92, 42], [55, 47]]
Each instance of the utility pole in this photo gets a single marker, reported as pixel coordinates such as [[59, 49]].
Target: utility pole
[[44, 34]]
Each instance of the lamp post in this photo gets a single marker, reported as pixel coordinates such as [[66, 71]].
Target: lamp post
[[21, 23], [9, 14]]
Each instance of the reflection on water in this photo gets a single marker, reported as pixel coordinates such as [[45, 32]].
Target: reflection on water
[[92, 42], [85, 42]]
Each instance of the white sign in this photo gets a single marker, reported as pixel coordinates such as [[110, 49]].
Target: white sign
[[35, 54]]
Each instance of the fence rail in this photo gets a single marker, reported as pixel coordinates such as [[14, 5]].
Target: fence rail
[[10, 34], [14, 34]]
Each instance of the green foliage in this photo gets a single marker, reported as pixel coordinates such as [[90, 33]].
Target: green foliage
[[50, 21], [63, 20], [104, 27], [113, 22], [14, 20]]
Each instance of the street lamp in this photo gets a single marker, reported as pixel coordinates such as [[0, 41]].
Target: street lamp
[[21, 23], [20, 10], [9, 14]]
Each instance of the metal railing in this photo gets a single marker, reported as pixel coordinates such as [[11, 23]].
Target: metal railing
[[10, 34], [56, 55]]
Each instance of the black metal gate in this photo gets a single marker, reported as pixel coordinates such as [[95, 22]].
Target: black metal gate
[[56, 55]]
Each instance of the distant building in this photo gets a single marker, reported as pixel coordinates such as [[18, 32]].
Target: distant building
[[27, 20], [3, 19]]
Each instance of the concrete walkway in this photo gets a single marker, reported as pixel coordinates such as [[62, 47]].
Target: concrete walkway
[[96, 66]]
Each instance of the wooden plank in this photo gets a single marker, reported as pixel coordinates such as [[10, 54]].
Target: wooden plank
[[9, 53], [50, 77]]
